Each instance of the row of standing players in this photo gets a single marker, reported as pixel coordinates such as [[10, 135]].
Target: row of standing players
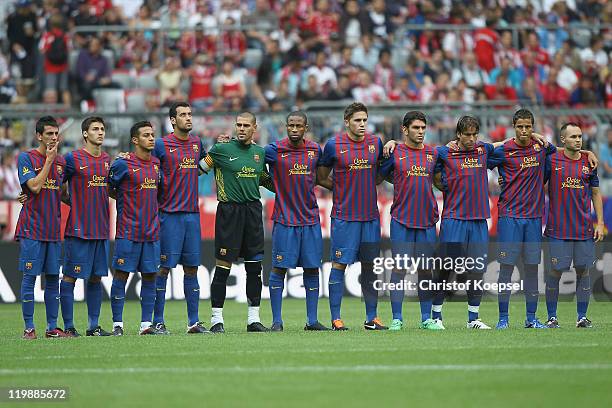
[[158, 227]]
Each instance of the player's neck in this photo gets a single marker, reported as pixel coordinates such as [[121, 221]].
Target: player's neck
[[572, 155], [181, 135], [143, 154], [412, 145], [521, 143], [42, 150], [297, 144], [94, 150], [355, 138]]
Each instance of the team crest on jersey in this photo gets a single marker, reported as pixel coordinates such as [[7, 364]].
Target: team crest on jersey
[[195, 148], [311, 154], [77, 268], [28, 265], [279, 257], [502, 254], [156, 168], [338, 254], [256, 158], [25, 170], [429, 157], [536, 147], [372, 148], [163, 257], [554, 261], [479, 150], [106, 166], [222, 251], [120, 261], [585, 169], [60, 170]]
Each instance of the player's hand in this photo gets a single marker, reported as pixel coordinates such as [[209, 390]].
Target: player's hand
[[52, 151], [123, 155], [540, 139], [453, 145], [223, 138], [593, 161], [22, 198], [599, 232], [500, 181], [389, 148]]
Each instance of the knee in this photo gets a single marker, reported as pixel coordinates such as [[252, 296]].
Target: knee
[[311, 271], [189, 270], [338, 266], [95, 279], [164, 272], [120, 275], [68, 279], [223, 264], [281, 271], [148, 277], [582, 271]]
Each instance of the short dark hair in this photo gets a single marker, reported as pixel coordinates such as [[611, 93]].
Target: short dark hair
[[411, 116], [466, 122], [175, 106], [45, 121], [353, 108], [522, 114], [137, 126], [247, 114], [85, 124], [298, 114], [566, 125]]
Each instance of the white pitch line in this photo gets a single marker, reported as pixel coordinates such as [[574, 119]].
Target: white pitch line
[[310, 351], [307, 369]]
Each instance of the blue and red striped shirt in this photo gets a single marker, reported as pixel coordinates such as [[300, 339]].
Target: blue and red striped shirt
[[87, 178], [137, 183], [569, 197], [354, 166], [40, 216], [414, 203], [179, 165], [294, 175], [522, 169], [465, 181]]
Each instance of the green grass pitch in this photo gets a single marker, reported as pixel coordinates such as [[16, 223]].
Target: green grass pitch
[[458, 367]]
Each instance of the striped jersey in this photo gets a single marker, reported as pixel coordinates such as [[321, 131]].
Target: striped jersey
[[414, 203], [87, 178], [569, 197], [294, 175], [179, 166], [136, 183], [40, 216], [465, 182], [522, 171], [354, 166]]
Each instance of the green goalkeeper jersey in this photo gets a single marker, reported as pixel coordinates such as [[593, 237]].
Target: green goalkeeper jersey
[[239, 170]]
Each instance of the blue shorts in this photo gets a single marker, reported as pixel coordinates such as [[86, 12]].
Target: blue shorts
[[296, 246], [131, 256], [412, 242], [564, 251], [84, 258], [465, 238], [38, 257], [518, 236], [354, 240], [179, 239]]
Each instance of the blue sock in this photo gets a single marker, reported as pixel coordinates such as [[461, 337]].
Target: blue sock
[[94, 303], [52, 299], [160, 298], [438, 296], [474, 298], [277, 285], [147, 300], [311, 285], [370, 295], [425, 297], [192, 297], [336, 290], [583, 294], [67, 301], [531, 291], [117, 299], [552, 293], [397, 296], [27, 300], [503, 296]]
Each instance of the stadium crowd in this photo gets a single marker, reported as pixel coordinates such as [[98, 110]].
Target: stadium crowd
[[275, 56]]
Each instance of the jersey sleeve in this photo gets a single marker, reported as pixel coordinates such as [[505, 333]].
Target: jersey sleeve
[[551, 149], [386, 167], [70, 167], [594, 179], [271, 153], [496, 158], [547, 168], [320, 155], [329, 154], [202, 150], [118, 171], [25, 170], [159, 150], [381, 157], [442, 155]]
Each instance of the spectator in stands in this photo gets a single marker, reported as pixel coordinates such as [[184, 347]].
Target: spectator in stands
[[84, 17], [485, 45], [230, 88], [605, 154], [343, 90], [9, 181], [533, 46], [365, 54], [271, 64], [585, 94], [169, 79], [532, 69], [264, 20], [54, 47], [7, 90], [92, 70], [234, 42], [323, 22], [512, 74], [530, 94], [436, 65], [22, 34], [174, 17], [321, 72], [595, 52], [201, 74], [552, 93], [311, 90], [354, 22], [566, 77], [383, 71], [474, 76], [368, 92], [507, 50], [381, 21], [402, 92]]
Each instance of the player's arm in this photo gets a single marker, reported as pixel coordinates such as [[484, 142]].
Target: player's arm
[[325, 165], [266, 181], [36, 183], [206, 164], [385, 170], [598, 205], [68, 173], [437, 181], [65, 195], [389, 148], [117, 172]]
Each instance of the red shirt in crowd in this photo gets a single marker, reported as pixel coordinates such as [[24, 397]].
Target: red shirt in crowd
[[45, 43]]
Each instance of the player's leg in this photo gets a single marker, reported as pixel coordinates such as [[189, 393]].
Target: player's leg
[[532, 252], [559, 263], [311, 252], [402, 243], [369, 249], [509, 235], [252, 251], [51, 267], [31, 266], [67, 302], [345, 238], [477, 248], [171, 240], [277, 286], [425, 248], [77, 264], [93, 289], [584, 256], [190, 259], [125, 261], [285, 247], [148, 265]]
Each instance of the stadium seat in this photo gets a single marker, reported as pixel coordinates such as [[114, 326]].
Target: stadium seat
[[124, 79], [136, 101], [253, 58], [147, 81], [109, 100]]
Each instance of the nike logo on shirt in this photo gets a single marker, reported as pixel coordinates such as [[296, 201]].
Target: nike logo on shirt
[[172, 150], [233, 158], [558, 168], [343, 151], [135, 170], [402, 158], [284, 154], [83, 167], [512, 153]]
